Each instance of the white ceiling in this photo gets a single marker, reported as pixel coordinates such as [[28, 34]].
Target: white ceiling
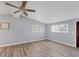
[[47, 11]]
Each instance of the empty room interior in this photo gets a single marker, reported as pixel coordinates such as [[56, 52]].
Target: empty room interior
[[39, 28]]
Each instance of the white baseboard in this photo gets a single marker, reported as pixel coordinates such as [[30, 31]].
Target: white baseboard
[[20, 42], [62, 43], [34, 41]]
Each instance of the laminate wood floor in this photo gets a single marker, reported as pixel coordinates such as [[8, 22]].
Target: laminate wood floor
[[43, 48]]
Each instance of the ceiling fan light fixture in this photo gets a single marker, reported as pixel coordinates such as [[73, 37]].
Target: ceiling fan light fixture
[[21, 8]]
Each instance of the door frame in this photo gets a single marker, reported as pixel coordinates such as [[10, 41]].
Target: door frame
[[75, 33]]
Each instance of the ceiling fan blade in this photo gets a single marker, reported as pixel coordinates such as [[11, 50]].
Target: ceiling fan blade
[[17, 11], [24, 4], [30, 10], [25, 13], [11, 5]]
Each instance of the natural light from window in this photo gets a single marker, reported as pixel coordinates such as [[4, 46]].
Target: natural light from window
[[61, 28]]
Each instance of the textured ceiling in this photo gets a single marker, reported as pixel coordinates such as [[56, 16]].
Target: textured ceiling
[[46, 12]]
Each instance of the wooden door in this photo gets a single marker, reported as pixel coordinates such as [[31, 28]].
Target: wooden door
[[77, 34]]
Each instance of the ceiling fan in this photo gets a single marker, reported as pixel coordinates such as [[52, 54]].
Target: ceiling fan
[[22, 8]]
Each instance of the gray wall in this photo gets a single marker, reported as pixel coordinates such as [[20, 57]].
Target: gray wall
[[65, 38], [20, 30]]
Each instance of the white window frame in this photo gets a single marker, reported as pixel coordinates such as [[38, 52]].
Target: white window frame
[[57, 28], [35, 28]]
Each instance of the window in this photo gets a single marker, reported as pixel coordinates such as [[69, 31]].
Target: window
[[4, 25], [62, 28], [35, 28]]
